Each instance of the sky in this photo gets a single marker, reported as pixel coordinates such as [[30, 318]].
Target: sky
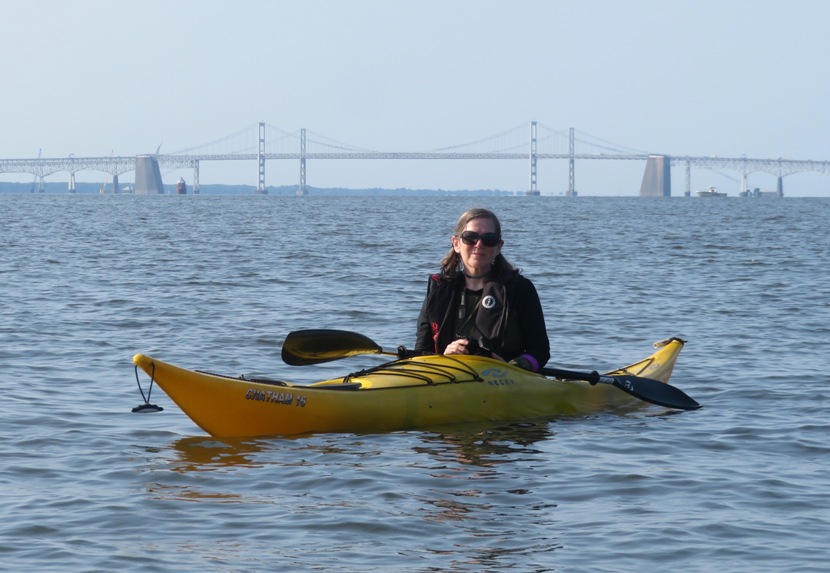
[[685, 77]]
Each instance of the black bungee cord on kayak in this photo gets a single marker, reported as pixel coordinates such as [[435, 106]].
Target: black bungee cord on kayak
[[421, 371], [146, 406]]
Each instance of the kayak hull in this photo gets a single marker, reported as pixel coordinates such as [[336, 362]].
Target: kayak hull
[[417, 392]]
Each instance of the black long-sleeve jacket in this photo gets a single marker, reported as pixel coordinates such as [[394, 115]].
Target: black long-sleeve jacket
[[512, 326]]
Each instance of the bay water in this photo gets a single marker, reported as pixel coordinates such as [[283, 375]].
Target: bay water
[[216, 282]]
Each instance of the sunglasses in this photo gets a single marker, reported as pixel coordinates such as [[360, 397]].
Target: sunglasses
[[488, 239]]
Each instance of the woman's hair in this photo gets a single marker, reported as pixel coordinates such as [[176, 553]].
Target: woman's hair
[[451, 263]]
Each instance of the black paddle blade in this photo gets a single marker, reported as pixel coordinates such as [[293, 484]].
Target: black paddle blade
[[315, 346], [654, 391], [646, 389]]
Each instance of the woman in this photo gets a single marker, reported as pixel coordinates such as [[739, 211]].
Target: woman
[[479, 303]]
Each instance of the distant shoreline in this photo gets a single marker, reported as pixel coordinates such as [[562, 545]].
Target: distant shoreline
[[53, 188], [58, 188]]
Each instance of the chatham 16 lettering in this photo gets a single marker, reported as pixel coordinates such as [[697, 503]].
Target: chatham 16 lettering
[[272, 397]]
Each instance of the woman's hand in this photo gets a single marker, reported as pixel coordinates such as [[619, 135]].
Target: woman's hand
[[458, 346], [466, 346]]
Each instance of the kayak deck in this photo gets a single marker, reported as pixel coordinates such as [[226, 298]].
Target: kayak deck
[[413, 392]]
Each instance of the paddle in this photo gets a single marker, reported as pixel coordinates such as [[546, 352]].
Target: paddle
[[315, 346], [646, 389]]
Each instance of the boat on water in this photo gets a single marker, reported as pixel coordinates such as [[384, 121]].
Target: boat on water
[[763, 193], [711, 192], [181, 187], [408, 392]]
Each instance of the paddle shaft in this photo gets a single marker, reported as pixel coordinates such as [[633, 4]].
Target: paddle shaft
[[592, 377]]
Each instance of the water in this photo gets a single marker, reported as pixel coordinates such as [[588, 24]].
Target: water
[[216, 283]]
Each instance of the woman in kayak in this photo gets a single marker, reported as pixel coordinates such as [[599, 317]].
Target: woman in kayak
[[479, 303]]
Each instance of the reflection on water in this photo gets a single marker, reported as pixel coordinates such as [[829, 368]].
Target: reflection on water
[[446, 496], [199, 453], [469, 445], [472, 470], [453, 464], [485, 446]]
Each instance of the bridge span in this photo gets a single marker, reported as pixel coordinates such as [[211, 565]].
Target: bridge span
[[534, 148]]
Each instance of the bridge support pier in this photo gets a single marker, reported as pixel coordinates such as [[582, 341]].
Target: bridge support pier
[[657, 178], [115, 183], [779, 186], [148, 176], [71, 182]]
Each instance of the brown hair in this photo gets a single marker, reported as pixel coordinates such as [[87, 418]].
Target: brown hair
[[451, 263]]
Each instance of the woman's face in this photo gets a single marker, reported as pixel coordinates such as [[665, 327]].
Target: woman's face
[[477, 257]]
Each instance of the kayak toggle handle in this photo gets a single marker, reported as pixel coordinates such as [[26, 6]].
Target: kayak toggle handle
[[146, 406]]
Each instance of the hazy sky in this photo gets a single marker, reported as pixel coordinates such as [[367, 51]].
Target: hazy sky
[[697, 77]]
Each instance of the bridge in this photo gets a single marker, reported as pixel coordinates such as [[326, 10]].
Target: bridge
[[531, 142]]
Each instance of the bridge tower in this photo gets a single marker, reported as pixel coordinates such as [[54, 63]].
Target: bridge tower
[[71, 172], [260, 188], [301, 191], [533, 190], [196, 177], [571, 189]]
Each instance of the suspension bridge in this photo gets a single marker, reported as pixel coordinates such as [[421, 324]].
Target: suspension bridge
[[532, 142]]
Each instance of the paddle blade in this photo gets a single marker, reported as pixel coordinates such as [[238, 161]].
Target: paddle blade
[[315, 346], [646, 389], [654, 391]]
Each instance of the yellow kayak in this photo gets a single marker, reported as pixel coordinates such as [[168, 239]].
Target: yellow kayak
[[406, 393]]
